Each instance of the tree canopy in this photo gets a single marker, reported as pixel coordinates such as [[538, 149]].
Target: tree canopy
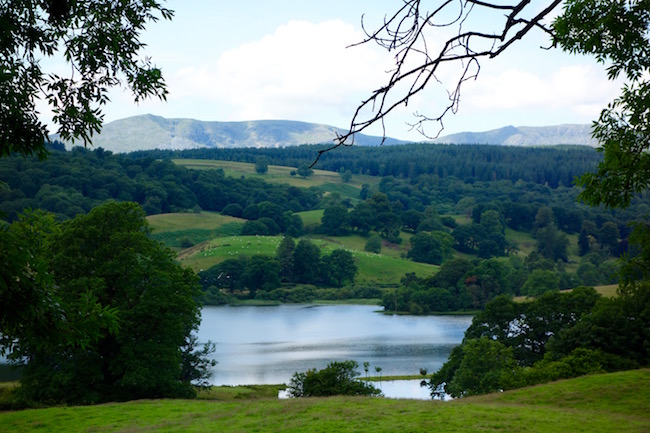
[[99, 40], [107, 313]]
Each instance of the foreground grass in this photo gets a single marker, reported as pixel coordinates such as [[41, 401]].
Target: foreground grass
[[603, 403]]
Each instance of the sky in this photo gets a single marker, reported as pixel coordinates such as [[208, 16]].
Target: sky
[[291, 60]]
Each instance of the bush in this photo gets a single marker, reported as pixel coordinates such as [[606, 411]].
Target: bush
[[338, 378], [373, 245]]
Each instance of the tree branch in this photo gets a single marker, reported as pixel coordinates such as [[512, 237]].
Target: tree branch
[[405, 33]]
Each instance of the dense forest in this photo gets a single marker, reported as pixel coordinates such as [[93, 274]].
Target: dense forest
[[458, 221], [553, 166]]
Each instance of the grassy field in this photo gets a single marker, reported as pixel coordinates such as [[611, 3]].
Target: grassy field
[[326, 180], [174, 229], [373, 268], [601, 403]]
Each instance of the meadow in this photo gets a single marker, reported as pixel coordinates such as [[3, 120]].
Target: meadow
[[615, 402], [381, 269]]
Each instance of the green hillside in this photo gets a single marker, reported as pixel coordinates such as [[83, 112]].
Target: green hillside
[[373, 268], [616, 402]]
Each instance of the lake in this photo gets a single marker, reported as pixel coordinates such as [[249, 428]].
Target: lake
[[266, 345]]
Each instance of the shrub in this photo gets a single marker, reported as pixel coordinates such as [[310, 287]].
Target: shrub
[[373, 245], [338, 378]]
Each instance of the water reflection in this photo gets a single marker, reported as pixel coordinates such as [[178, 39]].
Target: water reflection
[[266, 345]]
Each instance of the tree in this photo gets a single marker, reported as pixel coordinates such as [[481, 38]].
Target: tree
[[306, 262], [105, 263], [304, 171], [484, 365], [334, 221], [100, 40], [261, 273], [540, 281], [340, 266], [338, 378], [425, 248], [373, 244], [616, 32], [284, 256], [261, 165]]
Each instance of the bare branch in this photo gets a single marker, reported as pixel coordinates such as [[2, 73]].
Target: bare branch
[[416, 65]]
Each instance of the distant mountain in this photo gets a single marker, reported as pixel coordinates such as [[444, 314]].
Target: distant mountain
[[525, 136], [155, 132]]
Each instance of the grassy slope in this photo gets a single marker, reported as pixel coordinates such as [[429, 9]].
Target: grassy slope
[[281, 174], [173, 228], [603, 403], [373, 268]]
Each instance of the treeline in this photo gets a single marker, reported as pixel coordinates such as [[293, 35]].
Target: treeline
[[554, 166], [72, 183], [556, 336], [299, 267]]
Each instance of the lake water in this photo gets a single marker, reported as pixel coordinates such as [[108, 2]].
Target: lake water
[[266, 345]]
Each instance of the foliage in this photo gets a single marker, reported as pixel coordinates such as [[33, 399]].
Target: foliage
[[100, 41], [334, 221], [339, 266], [556, 336], [430, 248], [116, 321], [338, 378], [373, 244], [261, 165], [482, 366]]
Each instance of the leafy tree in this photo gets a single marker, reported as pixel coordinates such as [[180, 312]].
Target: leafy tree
[[306, 262], [137, 305], [615, 32], [339, 266], [261, 273], [255, 227], [540, 281], [334, 221], [284, 255], [304, 171], [373, 244], [346, 175], [362, 217], [452, 272], [261, 165], [338, 378], [608, 236], [426, 248], [484, 365], [101, 43]]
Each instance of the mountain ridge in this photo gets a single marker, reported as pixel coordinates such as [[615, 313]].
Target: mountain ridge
[[577, 134], [148, 131], [145, 132]]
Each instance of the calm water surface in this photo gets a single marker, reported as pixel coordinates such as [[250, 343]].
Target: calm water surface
[[266, 345]]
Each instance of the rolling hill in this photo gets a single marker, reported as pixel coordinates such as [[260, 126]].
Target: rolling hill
[[154, 132], [525, 136], [148, 132]]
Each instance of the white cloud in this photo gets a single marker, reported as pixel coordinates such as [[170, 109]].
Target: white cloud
[[302, 71], [581, 89]]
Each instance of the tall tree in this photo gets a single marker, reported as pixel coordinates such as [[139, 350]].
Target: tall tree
[[100, 40], [339, 266], [284, 255], [306, 262], [104, 262]]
